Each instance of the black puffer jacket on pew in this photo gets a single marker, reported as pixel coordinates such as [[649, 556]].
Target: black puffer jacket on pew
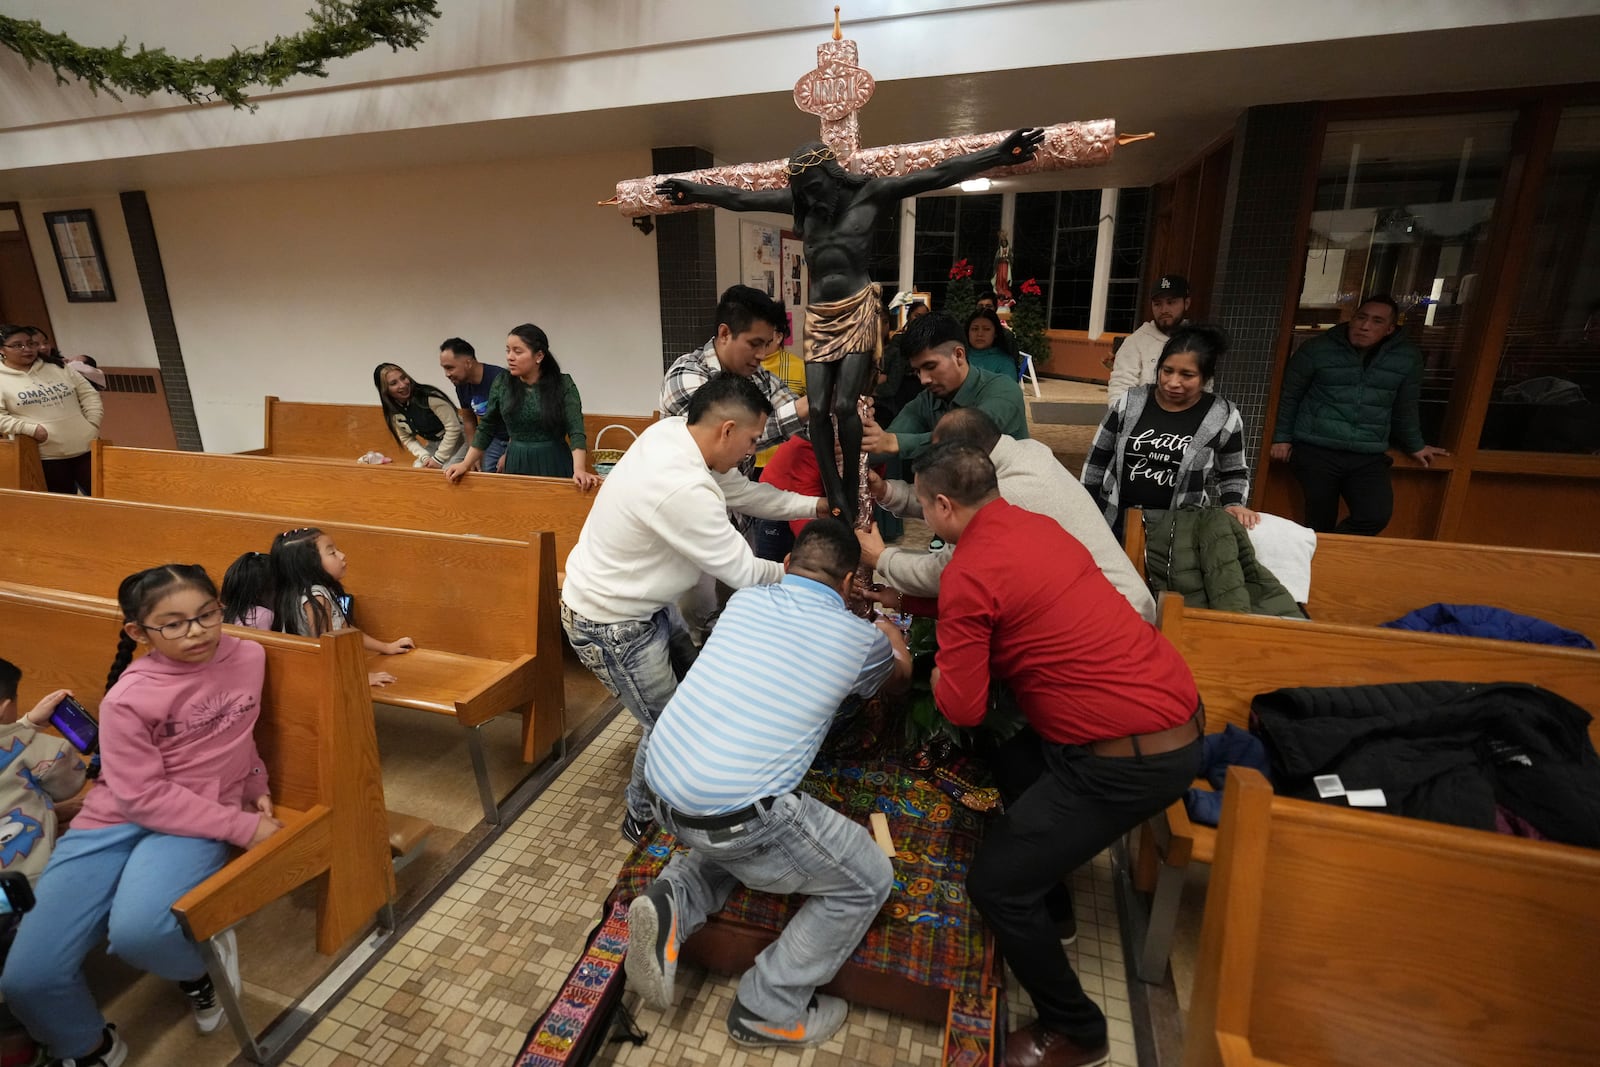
[[1444, 751]]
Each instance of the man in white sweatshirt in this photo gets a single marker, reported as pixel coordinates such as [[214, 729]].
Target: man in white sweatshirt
[[1135, 364], [659, 521]]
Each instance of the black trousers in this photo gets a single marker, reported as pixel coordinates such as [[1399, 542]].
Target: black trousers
[[68, 476], [1362, 478], [1073, 805]]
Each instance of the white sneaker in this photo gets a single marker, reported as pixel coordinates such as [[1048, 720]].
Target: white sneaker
[[113, 1052], [202, 994]]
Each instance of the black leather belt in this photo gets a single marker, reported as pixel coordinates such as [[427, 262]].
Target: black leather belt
[[747, 813]]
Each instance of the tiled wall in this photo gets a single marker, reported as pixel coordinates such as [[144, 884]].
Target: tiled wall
[[153, 283], [686, 262], [1272, 147]]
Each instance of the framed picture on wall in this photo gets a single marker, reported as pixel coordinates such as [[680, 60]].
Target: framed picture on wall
[[758, 257], [79, 254]]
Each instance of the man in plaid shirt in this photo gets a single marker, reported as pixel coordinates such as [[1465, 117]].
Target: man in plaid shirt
[[749, 325]]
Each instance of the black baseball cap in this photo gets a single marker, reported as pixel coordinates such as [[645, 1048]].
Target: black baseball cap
[[1170, 285]]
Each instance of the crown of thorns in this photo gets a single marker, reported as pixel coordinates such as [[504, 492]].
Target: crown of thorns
[[815, 157]]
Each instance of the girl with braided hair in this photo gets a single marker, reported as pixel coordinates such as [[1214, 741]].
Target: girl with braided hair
[[182, 782]]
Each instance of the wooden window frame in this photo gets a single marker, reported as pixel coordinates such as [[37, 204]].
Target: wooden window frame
[[1517, 205]]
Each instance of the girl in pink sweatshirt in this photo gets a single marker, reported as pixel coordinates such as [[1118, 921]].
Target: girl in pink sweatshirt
[[182, 783]]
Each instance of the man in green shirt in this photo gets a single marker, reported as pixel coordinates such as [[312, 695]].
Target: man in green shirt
[[935, 346]]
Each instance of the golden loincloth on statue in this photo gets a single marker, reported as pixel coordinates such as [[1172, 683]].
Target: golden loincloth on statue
[[839, 327]]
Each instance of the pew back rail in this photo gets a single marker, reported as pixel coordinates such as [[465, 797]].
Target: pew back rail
[[1340, 937]]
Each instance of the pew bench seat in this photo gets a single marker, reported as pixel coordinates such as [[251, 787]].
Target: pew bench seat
[[470, 689]]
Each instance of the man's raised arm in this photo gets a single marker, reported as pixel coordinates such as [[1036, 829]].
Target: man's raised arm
[[1018, 148], [680, 191]]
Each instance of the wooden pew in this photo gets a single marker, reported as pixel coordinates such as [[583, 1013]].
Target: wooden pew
[[345, 431], [19, 464], [334, 491], [1235, 658], [482, 610], [1340, 938], [316, 737], [1371, 580]]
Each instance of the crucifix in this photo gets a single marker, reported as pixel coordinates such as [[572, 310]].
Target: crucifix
[[835, 190]]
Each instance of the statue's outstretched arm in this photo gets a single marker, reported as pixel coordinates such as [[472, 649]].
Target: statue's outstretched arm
[[1018, 148], [679, 191]]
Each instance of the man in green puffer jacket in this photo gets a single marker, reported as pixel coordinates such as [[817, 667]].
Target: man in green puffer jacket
[[1346, 394]]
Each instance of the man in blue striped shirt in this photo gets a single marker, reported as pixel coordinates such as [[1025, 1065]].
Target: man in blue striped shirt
[[724, 762]]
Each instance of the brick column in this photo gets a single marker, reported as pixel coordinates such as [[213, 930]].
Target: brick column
[[153, 283], [686, 262], [1256, 266]]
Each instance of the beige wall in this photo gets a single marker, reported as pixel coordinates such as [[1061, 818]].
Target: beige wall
[[298, 288], [116, 334]]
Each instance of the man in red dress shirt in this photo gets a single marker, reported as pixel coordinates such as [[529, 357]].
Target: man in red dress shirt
[[1113, 731]]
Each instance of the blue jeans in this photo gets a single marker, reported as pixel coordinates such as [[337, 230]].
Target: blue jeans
[[640, 661], [801, 846], [492, 454], [121, 882]]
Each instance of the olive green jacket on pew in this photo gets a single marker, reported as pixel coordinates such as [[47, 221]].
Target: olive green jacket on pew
[[1206, 556]]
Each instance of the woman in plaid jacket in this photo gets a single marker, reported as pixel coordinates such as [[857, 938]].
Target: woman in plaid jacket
[[1172, 444]]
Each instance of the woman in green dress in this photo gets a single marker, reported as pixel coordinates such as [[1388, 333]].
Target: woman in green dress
[[538, 407]]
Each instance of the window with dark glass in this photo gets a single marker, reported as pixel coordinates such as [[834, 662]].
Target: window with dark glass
[[1403, 206], [1547, 389]]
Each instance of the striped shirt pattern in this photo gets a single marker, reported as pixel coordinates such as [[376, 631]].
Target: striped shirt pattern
[[748, 719]]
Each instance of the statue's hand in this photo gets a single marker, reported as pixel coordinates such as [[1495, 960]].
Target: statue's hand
[[676, 190], [1020, 146]]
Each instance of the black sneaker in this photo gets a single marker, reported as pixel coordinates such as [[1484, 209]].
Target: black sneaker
[[822, 1019], [652, 959], [113, 1052], [636, 830]]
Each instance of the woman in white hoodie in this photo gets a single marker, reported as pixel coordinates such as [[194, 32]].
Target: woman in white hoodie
[[55, 406]]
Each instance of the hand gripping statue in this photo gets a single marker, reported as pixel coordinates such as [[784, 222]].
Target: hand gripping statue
[[834, 212]]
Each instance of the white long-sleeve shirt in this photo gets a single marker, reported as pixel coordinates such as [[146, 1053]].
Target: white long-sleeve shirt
[[660, 520]]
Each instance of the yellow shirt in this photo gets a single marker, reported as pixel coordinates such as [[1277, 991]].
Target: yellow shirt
[[791, 371]]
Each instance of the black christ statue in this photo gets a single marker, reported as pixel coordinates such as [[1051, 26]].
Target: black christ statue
[[834, 212]]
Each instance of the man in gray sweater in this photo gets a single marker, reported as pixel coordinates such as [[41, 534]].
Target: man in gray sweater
[[1030, 477]]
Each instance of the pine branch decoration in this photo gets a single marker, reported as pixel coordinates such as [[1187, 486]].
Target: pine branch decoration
[[339, 28]]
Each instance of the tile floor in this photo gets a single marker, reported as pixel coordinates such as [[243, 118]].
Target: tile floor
[[467, 981]]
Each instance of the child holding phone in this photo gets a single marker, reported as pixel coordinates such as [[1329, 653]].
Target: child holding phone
[[309, 570], [182, 782], [37, 771]]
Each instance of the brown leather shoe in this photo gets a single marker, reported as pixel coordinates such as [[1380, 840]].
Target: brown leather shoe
[[1034, 1046]]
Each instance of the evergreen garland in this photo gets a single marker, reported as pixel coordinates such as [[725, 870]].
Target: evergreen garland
[[339, 28]]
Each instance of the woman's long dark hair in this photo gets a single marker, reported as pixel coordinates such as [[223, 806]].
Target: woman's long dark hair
[[51, 356], [247, 585], [138, 593], [1003, 341], [553, 412], [391, 407], [296, 567]]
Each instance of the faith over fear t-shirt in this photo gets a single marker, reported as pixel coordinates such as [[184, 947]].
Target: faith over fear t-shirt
[[1153, 451]]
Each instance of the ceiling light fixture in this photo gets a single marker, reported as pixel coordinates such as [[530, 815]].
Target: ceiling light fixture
[[976, 185]]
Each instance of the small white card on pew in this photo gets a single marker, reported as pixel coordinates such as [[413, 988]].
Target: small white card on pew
[[1328, 785], [1366, 798]]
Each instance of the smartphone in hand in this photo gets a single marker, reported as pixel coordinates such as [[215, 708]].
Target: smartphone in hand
[[76, 725]]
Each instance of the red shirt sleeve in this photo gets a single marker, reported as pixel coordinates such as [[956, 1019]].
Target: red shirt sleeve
[[966, 623]]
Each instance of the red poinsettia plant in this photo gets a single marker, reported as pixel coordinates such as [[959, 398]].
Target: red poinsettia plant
[[1027, 321], [960, 296]]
